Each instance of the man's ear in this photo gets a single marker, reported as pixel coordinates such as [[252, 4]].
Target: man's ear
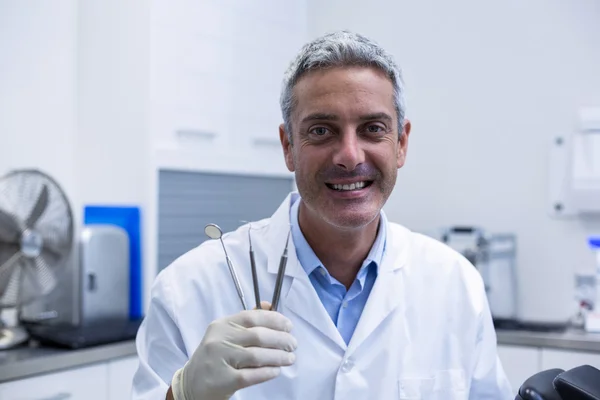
[[286, 144], [403, 143]]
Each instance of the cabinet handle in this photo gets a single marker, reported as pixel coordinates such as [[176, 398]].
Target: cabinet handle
[[265, 142], [58, 396], [91, 282], [194, 134]]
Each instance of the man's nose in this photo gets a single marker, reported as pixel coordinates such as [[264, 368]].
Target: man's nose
[[349, 153]]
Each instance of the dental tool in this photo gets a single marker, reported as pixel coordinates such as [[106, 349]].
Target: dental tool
[[280, 274], [254, 274], [214, 232]]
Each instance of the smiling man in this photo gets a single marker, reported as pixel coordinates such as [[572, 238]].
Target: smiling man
[[368, 309]]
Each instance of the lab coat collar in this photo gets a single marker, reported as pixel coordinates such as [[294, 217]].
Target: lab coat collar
[[300, 297], [280, 227]]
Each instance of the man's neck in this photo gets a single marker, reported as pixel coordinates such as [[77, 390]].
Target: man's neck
[[342, 252]]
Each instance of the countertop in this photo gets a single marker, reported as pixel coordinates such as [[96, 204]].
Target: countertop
[[571, 339], [24, 362]]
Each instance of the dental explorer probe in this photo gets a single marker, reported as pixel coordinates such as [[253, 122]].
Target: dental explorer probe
[[254, 274], [214, 232], [280, 274]]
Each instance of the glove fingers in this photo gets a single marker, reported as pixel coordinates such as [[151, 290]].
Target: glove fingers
[[263, 337], [253, 376], [268, 319], [255, 357]]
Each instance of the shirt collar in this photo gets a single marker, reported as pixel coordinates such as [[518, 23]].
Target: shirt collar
[[309, 260]]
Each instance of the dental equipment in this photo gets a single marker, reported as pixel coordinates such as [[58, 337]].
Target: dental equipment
[[214, 232], [254, 274], [280, 274]]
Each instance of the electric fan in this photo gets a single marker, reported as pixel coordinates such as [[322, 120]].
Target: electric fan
[[36, 234]]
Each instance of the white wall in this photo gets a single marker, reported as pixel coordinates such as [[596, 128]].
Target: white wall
[[489, 85], [113, 86], [73, 100], [38, 93]]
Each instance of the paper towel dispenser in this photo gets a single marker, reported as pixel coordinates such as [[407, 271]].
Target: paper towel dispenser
[[575, 167]]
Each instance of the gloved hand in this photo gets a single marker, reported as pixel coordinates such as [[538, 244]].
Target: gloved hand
[[236, 352]]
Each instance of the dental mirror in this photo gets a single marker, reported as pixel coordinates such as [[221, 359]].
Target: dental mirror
[[213, 231]]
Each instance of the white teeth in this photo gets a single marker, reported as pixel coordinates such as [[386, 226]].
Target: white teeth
[[352, 186]]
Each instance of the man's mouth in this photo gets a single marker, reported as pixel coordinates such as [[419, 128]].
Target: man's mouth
[[349, 186]]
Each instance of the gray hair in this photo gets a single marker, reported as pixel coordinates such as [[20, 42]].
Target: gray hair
[[340, 49]]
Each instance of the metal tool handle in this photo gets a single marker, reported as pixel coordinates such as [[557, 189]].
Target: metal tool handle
[[278, 283], [236, 282], [255, 280]]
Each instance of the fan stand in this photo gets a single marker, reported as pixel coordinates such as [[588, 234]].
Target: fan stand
[[13, 335]]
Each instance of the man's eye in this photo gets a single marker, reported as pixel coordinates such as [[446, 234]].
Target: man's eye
[[375, 129], [319, 131]]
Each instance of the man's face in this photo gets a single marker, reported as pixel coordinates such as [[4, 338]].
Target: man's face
[[345, 149]]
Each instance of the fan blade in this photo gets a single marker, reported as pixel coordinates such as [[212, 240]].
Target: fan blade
[[30, 287], [57, 250], [39, 208], [7, 270], [44, 276], [10, 298], [10, 231], [50, 257]]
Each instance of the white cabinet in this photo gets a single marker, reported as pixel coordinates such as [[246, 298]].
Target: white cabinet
[[215, 74], [120, 377], [86, 383], [103, 381], [567, 359], [519, 363]]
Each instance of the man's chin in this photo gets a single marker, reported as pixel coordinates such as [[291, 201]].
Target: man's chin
[[351, 220]]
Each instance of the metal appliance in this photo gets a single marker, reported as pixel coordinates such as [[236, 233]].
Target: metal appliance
[[96, 286], [494, 256], [104, 268]]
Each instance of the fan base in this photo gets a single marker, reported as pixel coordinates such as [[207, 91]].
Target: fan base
[[12, 337]]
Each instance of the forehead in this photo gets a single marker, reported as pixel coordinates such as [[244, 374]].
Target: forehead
[[344, 91]]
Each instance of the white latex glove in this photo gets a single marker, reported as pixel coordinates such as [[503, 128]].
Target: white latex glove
[[237, 351]]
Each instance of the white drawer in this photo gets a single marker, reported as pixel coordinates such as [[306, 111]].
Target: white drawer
[[120, 377], [519, 363], [567, 359], [86, 383]]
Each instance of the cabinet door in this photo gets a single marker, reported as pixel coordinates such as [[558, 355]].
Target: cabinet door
[[519, 362], [566, 359], [120, 377], [86, 383]]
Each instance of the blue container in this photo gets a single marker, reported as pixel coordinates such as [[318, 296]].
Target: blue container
[[128, 218], [594, 242]]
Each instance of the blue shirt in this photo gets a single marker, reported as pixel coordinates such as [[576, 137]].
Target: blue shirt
[[343, 306]]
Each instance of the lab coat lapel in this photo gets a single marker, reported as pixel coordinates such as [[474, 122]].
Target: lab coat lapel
[[298, 294], [387, 292], [302, 300], [279, 228]]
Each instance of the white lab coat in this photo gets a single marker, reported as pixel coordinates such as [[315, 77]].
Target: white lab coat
[[425, 333]]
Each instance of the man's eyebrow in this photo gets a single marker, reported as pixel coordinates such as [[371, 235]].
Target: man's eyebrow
[[375, 116], [333, 117], [320, 117]]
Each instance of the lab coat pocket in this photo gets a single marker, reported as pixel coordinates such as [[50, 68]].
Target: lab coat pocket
[[444, 384]]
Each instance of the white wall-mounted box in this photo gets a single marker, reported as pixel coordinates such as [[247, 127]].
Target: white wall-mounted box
[[574, 168]]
